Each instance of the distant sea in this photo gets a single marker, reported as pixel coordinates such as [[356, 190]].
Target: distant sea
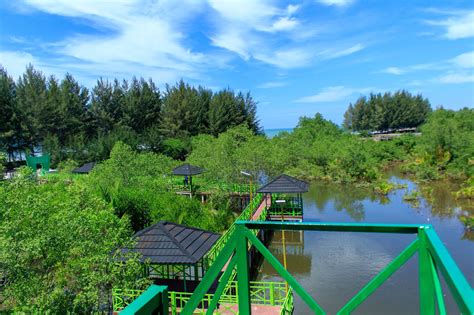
[[270, 133]]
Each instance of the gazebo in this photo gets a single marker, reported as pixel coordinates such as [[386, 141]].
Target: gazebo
[[85, 169], [175, 254], [187, 170], [285, 187]]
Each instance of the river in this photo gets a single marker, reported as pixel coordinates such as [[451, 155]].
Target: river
[[333, 266]]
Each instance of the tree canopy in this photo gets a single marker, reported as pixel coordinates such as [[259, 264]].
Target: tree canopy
[[71, 122], [388, 111]]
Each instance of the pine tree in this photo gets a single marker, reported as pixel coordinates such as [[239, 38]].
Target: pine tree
[[31, 101], [8, 117]]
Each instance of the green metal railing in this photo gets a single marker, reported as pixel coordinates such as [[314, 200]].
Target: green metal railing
[[293, 206], [433, 258], [261, 293], [244, 216], [200, 184], [288, 305], [123, 297], [153, 301]]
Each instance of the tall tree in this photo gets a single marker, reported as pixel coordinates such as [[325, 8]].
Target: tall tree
[[74, 106], [141, 105], [106, 106], [388, 111], [8, 118], [180, 110], [31, 103]]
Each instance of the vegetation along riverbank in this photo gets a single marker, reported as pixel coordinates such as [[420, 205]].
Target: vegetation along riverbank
[[57, 232]]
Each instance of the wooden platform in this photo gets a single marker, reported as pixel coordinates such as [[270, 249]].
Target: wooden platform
[[255, 309], [232, 309]]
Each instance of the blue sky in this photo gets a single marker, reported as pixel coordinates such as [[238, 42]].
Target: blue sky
[[296, 57]]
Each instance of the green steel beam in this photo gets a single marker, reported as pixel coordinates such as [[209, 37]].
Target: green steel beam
[[461, 290], [243, 290], [438, 289], [210, 276], [153, 301], [221, 287], [283, 272], [336, 227], [425, 275], [376, 282]]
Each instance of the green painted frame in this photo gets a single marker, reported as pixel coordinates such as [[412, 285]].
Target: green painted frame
[[153, 301], [433, 257]]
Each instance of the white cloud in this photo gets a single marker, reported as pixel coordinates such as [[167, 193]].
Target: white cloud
[[253, 28], [287, 58], [292, 8], [332, 94], [336, 53], [15, 62], [456, 70], [337, 3], [456, 25], [457, 78], [393, 70], [144, 37], [465, 60], [233, 40], [284, 24], [256, 14], [271, 85]]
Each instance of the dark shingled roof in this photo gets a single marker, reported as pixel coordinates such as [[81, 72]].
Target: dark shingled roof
[[171, 243], [84, 169], [187, 169], [284, 184]]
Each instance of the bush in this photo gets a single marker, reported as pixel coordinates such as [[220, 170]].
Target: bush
[[57, 248]]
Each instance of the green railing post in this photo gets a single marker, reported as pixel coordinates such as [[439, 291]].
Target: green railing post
[[243, 289], [173, 303], [425, 272], [153, 301], [272, 294]]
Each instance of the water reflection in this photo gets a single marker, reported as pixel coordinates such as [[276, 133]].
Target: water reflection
[[333, 266], [347, 198]]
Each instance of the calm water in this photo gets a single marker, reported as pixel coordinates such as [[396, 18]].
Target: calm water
[[333, 266]]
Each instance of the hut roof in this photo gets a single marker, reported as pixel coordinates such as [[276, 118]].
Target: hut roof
[[187, 169], [84, 169], [284, 184], [170, 243]]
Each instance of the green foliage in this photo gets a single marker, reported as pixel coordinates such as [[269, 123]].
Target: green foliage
[[231, 152], [69, 122], [8, 118], [387, 111], [175, 148], [67, 166], [57, 248], [136, 185], [316, 149], [3, 161], [447, 142], [467, 190]]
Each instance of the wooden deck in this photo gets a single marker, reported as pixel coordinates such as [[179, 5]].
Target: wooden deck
[[232, 309], [290, 218], [261, 207], [255, 309]]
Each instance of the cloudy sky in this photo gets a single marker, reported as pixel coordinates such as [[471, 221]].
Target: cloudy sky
[[296, 57]]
